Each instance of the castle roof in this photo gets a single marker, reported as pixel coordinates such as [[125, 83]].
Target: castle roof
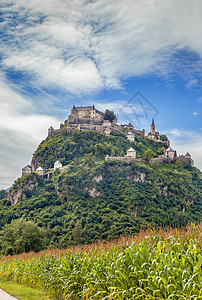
[[87, 108], [187, 154], [170, 150], [27, 167], [131, 150], [57, 162], [40, 169], [83, 107]]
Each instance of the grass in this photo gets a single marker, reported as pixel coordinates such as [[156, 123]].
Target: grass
[[152, 265], [22, 292]]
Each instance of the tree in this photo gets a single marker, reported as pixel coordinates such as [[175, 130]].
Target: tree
[[109, 115], [77, 232], [163, 137], [21, 236], [3, 194], [148, 155], [160, 151]]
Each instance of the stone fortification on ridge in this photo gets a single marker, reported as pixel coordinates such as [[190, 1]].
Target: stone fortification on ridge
[[90, 118]]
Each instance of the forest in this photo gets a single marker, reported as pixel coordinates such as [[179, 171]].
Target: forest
[[98, 200]]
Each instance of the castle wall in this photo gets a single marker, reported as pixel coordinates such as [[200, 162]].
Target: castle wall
[[122, 158], [26, 172], [185, 159], [53, 132]]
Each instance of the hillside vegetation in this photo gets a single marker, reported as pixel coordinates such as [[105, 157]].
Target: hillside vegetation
[[98, 200], [82, 145], [153, 265]]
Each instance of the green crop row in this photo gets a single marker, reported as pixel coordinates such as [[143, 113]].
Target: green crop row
[[158, 267]]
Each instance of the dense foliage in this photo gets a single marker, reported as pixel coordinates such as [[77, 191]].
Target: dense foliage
[[3, 194], [98, 200], [109, 115], [74, 147], [109, 199], [165, 265], [20, 236]]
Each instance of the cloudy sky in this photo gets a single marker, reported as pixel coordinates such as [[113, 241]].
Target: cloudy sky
[[57, 53]]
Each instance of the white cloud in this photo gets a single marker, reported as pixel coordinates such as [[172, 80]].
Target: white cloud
[[192, 83], [21, 130], [59, 41], [82, 47], [195, 113]]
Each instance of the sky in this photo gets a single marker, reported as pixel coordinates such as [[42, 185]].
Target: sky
[[140, 58]]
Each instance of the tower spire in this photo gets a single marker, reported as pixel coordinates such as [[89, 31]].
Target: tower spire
[[152, 129]]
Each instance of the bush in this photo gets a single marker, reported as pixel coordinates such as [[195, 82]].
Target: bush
[[21, 236]]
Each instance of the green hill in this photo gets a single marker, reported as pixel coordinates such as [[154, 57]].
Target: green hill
[[98, 200]]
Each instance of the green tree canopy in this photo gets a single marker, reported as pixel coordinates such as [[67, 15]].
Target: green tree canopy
[[21, 236], [148, 155], [77, 232], [109, 115], [163, 137], [3, 194]]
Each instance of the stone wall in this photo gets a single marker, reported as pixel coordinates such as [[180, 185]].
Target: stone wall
[[122, 158], [185, 159], [53, 132]]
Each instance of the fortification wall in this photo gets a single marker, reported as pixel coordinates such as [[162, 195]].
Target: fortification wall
[[185, 159], [122, 158], [54, 132]]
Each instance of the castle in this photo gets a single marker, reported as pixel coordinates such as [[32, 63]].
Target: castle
[[155, 136], [169, 156], [27, 170], [89, 118]]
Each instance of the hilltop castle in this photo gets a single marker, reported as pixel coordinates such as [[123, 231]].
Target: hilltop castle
[[89, 118]]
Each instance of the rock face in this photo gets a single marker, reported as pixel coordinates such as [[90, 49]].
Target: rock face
[[93, 192], [19, 191], [34, 163], [98, 178], [140, 177]]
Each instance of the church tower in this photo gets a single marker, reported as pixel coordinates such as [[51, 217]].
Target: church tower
[[152, 128]]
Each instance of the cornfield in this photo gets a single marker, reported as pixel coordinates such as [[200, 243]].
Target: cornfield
[[153, 265]]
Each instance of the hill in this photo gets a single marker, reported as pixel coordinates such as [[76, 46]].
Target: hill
[[94, 199]]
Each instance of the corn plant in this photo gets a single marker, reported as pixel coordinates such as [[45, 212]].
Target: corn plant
[[164, 265]]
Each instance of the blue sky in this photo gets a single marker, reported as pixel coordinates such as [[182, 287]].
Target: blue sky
[[59, 53]]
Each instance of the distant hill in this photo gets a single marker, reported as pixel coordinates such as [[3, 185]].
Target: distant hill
[[94, 199]]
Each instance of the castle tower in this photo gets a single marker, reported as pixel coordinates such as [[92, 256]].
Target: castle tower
[[26, 171], [57, 165], [130, 136], [50, 131], [40, 171], [152, 128], [131, 153]]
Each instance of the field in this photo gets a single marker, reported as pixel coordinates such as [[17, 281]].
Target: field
[[152, 265]]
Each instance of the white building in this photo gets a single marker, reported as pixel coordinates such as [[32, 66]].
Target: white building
[[26, 170], [57, 165], [170, 153], [130, 136], [131, 153], [40, 171]]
